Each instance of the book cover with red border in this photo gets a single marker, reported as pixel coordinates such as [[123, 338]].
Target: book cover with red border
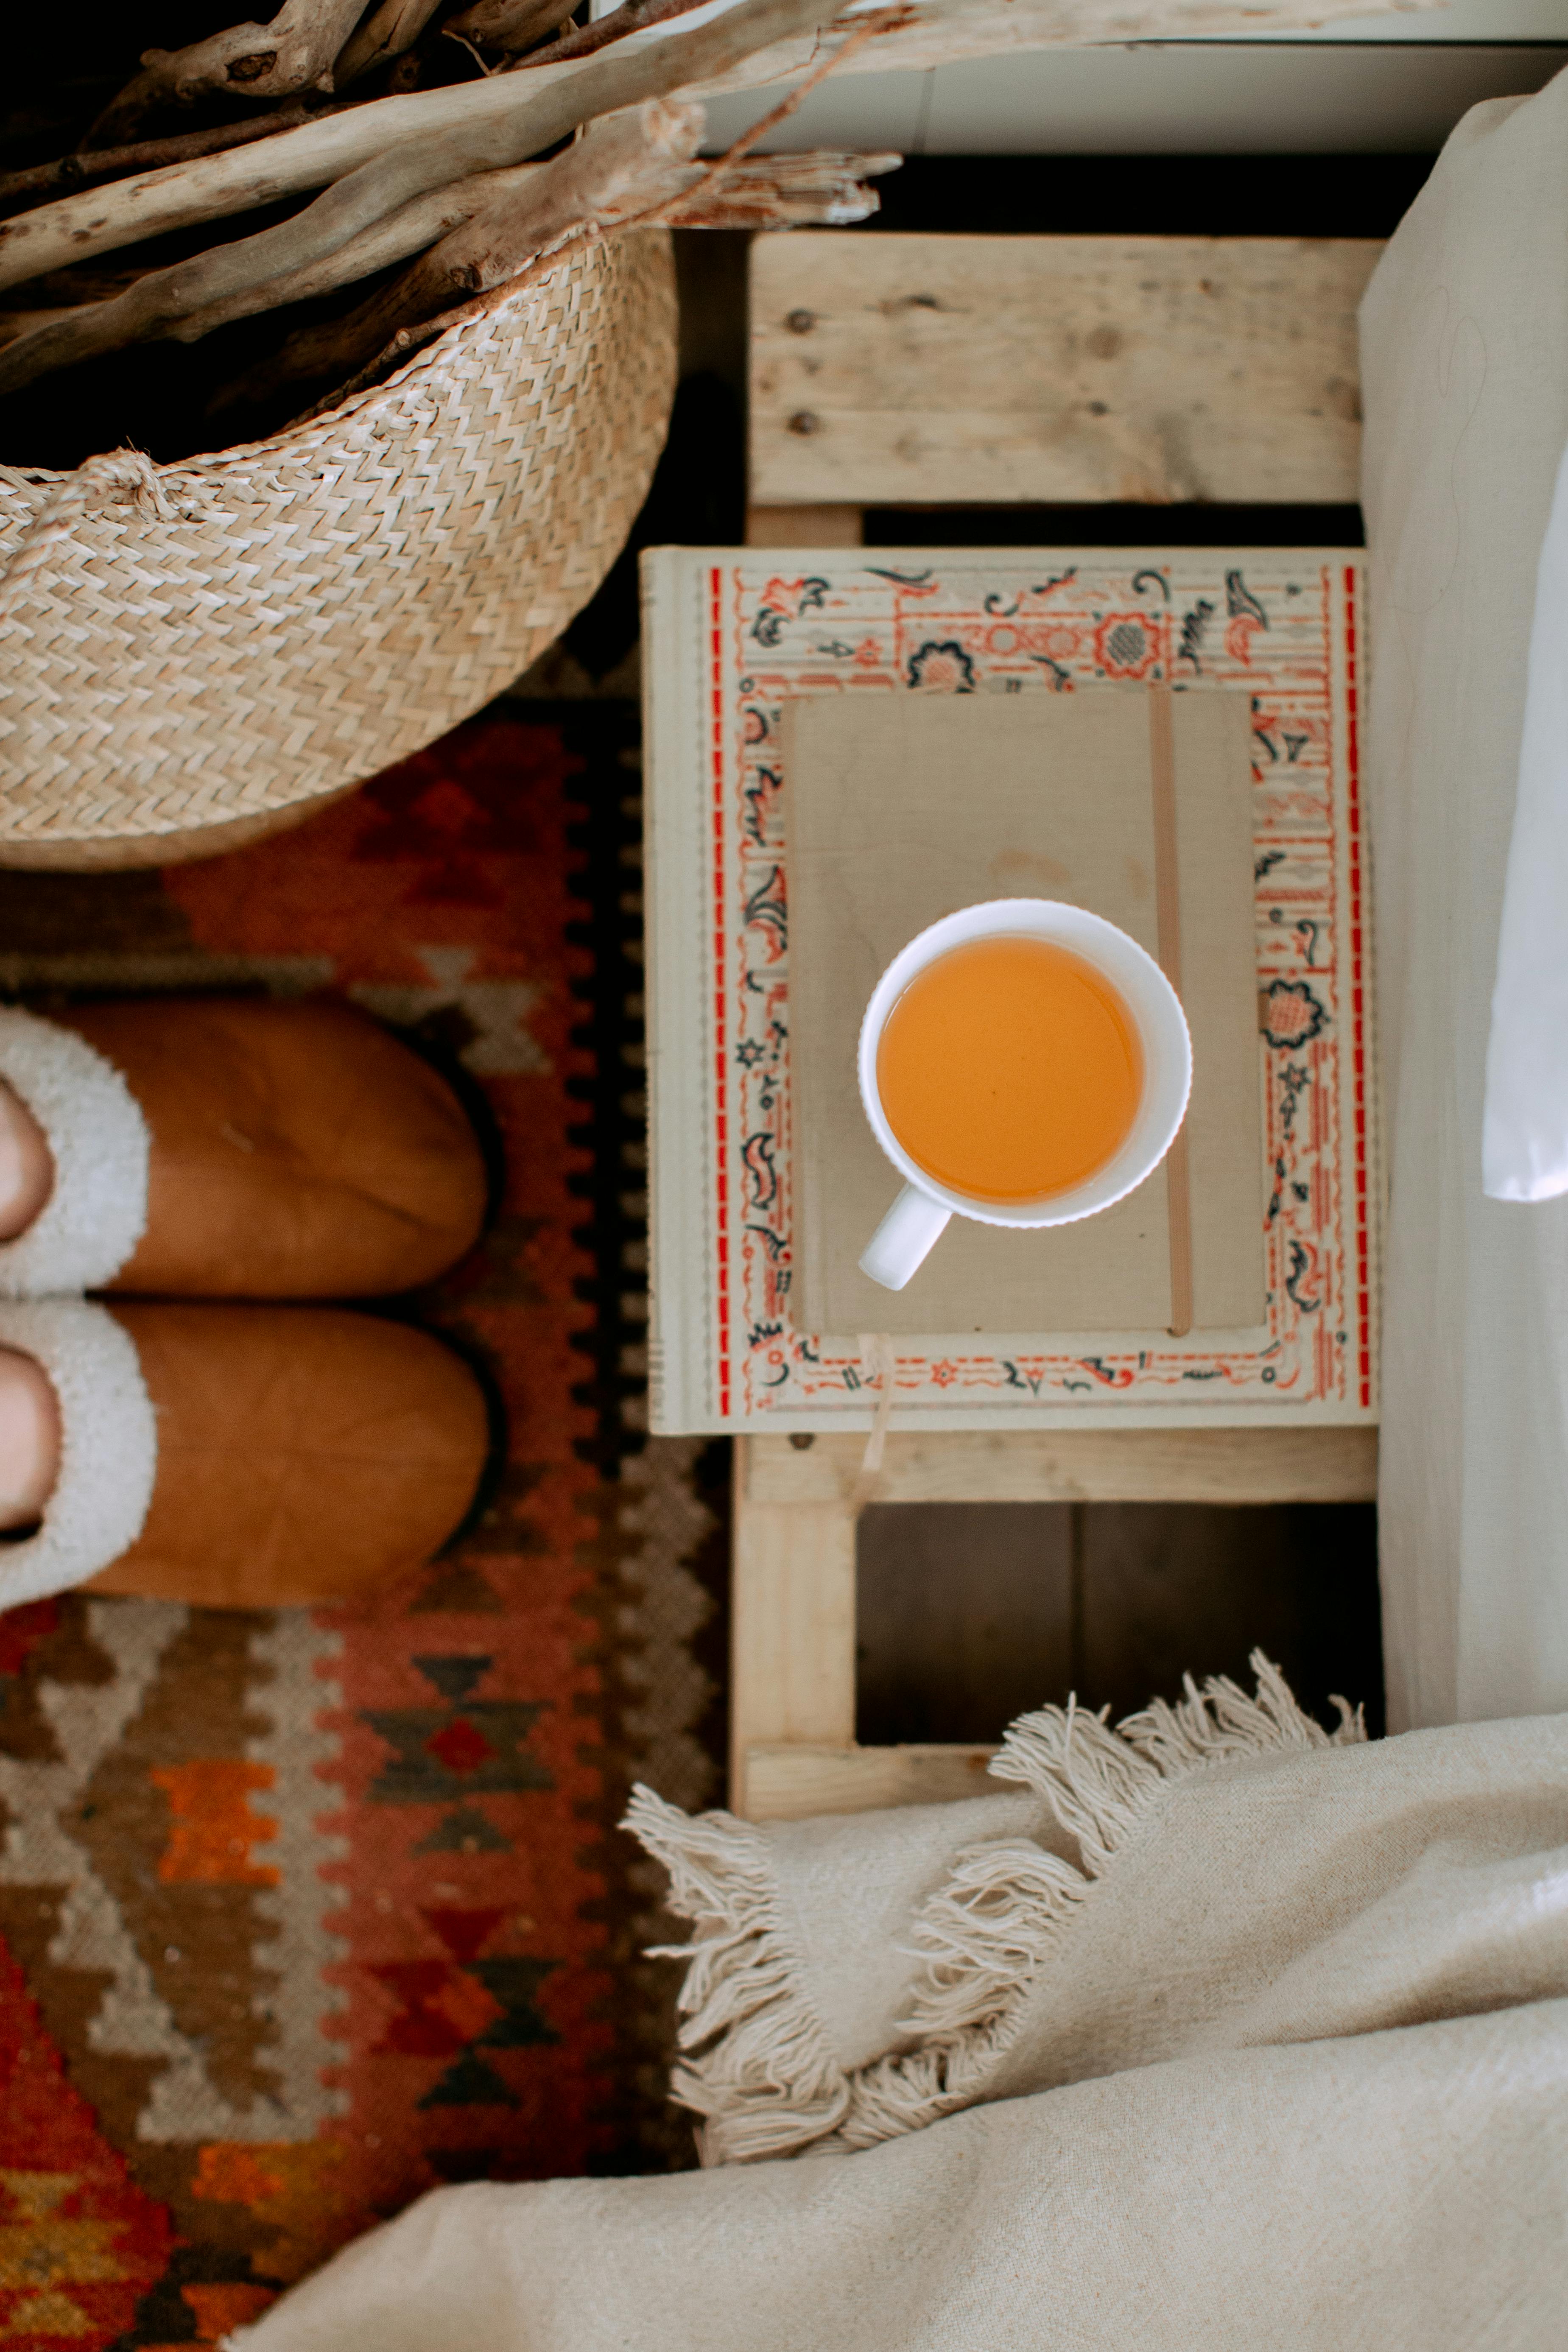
[[733, 635]]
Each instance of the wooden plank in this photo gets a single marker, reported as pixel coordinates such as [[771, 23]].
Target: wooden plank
[[804, 526], [1091, 1465], [919, 370], [788, 1784], [791, 1670]]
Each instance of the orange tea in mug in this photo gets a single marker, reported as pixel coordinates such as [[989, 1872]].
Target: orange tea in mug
[[1010, 1068]]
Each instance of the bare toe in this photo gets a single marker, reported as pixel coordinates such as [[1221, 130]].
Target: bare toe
[[26, 1165], [30, 1439]]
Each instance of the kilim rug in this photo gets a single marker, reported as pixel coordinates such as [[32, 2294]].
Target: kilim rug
[[306, 1911]]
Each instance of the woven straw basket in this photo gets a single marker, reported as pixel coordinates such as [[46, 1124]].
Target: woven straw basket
[[191, 655]]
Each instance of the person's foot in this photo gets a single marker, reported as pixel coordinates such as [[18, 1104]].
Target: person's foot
[[29, 1440], [26, 1165]]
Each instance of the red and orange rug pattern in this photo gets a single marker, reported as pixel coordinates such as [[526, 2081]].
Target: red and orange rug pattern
[[303, 1913]]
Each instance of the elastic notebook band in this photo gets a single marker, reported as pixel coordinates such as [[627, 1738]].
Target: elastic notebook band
[[1168, 917]]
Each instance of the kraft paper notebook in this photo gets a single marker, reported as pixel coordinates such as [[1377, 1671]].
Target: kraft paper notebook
[[841, 745], [901, 810]]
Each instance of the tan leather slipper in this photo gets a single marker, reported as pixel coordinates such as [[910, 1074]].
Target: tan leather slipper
[[231, 1148], [246, 1457]]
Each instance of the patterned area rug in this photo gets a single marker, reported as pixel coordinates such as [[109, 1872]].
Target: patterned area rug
[[304, 1913]]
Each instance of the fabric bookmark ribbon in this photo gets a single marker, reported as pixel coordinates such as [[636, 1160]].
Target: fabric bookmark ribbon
[[876, 1360], [1168, 919]]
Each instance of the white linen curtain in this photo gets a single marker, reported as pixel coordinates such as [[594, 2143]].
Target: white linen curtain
[[1524, 1135], [1465, 384]]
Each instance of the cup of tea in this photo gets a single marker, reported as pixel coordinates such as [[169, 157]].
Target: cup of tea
[[1023, 1063]]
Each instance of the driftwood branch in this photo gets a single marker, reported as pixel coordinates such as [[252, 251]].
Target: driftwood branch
[[85, 171], [509, 24], [385, 34], [387, 151], [22, 322], [216, 186], [929, 33], [409, 339], [294, 52], [764, 192], [78, 228], [84, 330], [627, 163], [818, 189], [160, 303], [512, 25], [428, 220]]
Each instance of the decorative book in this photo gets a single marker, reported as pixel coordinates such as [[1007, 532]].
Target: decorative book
[[839, 753]]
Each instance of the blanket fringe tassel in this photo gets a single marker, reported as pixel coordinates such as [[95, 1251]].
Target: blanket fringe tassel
[[766, 2082], [757, 2064]]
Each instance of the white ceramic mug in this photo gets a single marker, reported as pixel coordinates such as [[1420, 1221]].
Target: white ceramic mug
[[912, 1225]]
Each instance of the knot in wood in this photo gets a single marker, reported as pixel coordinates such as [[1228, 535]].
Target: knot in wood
[[800, 322], [251, 68], [805, 420]]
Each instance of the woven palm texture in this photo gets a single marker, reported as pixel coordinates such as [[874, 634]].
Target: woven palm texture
[[192, 655]]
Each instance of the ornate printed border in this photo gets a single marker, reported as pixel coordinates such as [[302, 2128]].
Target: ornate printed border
[[1281, 624]]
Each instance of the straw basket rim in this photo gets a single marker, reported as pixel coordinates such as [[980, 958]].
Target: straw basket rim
[[220, 641], [352, 405]]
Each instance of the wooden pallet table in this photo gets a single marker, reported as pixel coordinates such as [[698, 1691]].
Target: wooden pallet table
[[911, 372], [792, 1693]]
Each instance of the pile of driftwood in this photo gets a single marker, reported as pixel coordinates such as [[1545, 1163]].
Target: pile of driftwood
[[433, 202]]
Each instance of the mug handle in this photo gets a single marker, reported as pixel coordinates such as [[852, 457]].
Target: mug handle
[[904, 1239]]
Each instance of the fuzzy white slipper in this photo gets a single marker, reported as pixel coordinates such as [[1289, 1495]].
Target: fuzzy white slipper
[[97, 1211], [109, 1446]]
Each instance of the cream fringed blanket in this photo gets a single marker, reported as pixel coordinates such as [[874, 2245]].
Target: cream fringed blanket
[[1211, 2032]]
